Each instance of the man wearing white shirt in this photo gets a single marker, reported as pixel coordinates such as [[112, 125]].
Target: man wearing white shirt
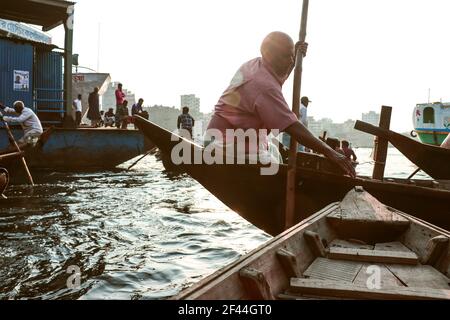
[[30, 123], [304, 111], [303, 117], [77, 106]]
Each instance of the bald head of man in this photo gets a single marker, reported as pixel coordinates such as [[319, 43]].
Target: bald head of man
[[278, 50]]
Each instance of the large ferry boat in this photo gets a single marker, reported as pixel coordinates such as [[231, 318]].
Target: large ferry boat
[[432, 122]]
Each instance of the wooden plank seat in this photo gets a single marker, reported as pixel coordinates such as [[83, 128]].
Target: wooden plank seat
[[379, 256], [317, 287]]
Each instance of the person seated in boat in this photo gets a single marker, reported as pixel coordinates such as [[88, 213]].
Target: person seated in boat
[[446, 143], [335, 144], [254, 101], [109, 118], [30, 123], [349, 153], [185, 123]]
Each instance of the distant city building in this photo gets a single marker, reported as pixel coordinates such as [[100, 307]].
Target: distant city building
[[192, 102], [342, 131], [371, 117], [109, 97], [167, 118], [164, 116]]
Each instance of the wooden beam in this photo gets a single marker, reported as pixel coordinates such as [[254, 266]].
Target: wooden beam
[[11, 155], [436, 247], [292, 164], [68, 47], [373, 256], [346, 290], [381, 145], [315, 243], [256, 284], [289, 262]]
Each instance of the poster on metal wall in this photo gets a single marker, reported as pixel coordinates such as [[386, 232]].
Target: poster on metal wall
[[21, 80]]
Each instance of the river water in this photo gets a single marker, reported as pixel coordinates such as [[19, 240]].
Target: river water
[[132, 235]]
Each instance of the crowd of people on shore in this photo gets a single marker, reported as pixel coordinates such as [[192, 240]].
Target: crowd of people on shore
[[119, 118]]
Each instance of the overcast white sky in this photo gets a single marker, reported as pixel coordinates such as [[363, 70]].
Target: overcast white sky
[[362, 54]]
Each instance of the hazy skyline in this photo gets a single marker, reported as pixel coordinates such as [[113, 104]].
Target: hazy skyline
[[362, 54]]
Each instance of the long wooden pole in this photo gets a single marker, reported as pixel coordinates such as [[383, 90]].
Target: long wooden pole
[[382, 145], [290, 188], [24, 163], [137, 161]]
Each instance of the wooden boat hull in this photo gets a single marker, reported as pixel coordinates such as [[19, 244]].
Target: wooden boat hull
[[8, 161], [4, 180], [432, 137], [324, 257], [260, 199], [431, 159], [75, 149]]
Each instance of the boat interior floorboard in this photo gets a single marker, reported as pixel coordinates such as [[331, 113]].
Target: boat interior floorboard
[[390, 279]]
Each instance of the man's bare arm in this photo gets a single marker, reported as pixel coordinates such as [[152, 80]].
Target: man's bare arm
[[303, 136]]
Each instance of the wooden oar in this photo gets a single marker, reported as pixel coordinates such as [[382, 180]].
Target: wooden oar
[[6, 156], [290, 188], [146, 154], [414, 173], [24, 163]]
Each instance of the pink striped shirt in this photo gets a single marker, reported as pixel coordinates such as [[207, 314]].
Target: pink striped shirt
[[254, 100]]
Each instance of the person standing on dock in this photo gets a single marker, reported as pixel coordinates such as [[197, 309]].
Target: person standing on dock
[[185, 123], [254, 101], [123, 116], [78, 108], [30, 123], [120, 98], [137, 110], [94, 108]]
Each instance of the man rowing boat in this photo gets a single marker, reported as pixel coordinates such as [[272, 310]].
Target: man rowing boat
[[254, 100], [30, 123]]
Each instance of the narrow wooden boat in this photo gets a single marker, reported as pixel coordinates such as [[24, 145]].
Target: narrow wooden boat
[[4, 181], [6, 161], [82, 148], [355, 249], [260, 199], [431, 159]]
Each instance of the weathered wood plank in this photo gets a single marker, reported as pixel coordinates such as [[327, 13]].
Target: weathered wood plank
[[392, 246], [256, 284], [373, 256], [314, 242], [326, 269], [345, 290], [367, 276], [289, 262], [420, 276], [362, 207], [381, 144], [436, 248], [338, 243]]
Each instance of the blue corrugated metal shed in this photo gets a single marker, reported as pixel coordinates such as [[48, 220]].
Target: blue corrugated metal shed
[[15, 59], [49, 94]]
